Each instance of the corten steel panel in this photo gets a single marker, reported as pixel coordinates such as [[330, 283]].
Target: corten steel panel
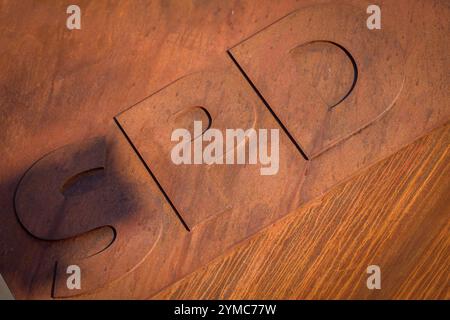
[[396, 215], [117, 194], [222, 100], [344, 96], [325, 81], [400, 89]]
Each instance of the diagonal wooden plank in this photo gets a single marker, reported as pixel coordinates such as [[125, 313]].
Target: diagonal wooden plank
[[395, 214]]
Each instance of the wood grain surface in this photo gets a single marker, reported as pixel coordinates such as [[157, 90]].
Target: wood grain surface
[[395, 215]]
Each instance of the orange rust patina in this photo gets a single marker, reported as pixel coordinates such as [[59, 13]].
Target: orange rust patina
[[342, 97]]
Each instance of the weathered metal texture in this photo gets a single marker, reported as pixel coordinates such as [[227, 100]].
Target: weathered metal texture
[[400, 91], [324, 73], [222, 100], [82, 187], [221, 204], [421, 106], [224, 204]]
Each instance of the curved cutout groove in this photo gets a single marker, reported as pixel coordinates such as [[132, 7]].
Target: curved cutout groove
[[350, 58], [81, 180]]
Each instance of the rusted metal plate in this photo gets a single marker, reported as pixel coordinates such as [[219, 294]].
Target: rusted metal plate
[[223, 100], [221, 204], [343, 122], [422, 105], [82, 187], [324, 73]]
